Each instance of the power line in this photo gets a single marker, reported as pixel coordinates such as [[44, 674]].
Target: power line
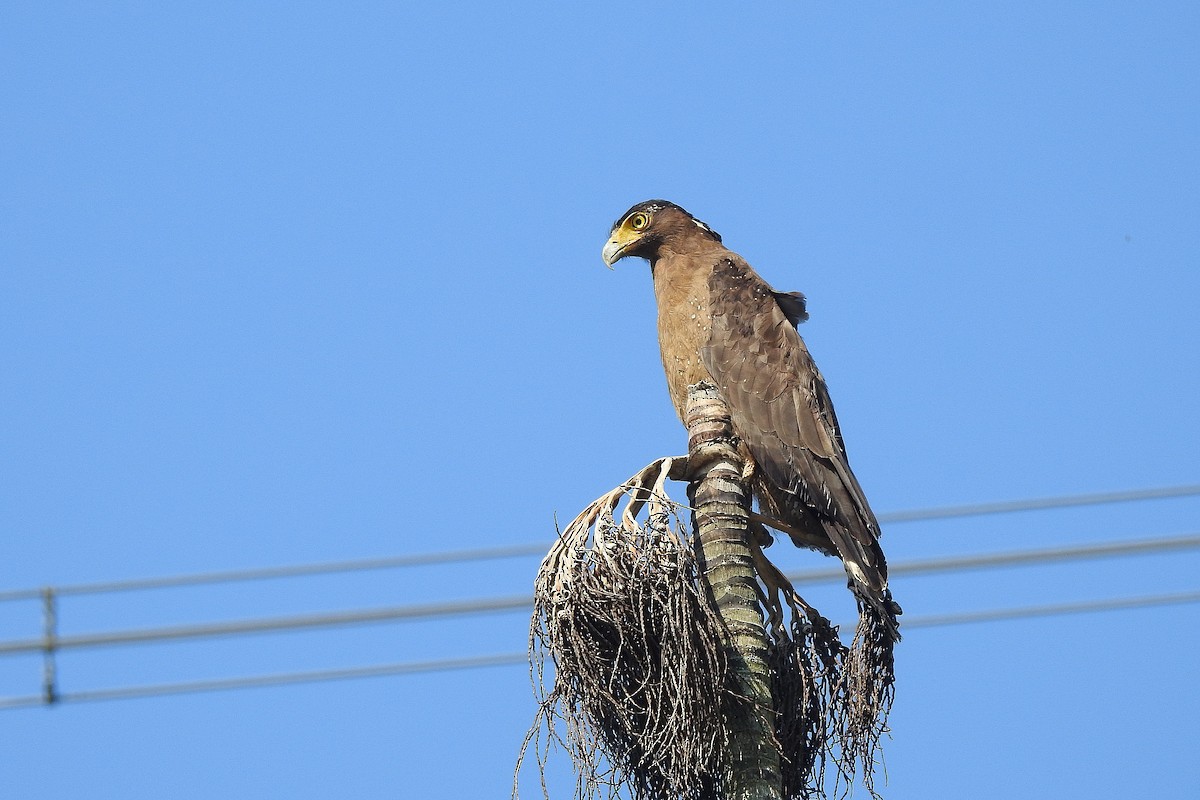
[[1018, 557], [525, 602], [268, 625], [1054, 610], [539, 548], [291, 571], [1041, 504], [504, 659], [278, 679]]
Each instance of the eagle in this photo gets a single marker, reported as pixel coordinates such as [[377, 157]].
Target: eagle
[[719, 322]]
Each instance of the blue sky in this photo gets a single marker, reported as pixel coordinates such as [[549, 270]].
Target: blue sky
[[283, 283]]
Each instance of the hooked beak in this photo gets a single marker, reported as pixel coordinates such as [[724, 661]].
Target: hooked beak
[[621, 240], [612, 252]]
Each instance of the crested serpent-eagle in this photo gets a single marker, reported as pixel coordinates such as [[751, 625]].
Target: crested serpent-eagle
[[718, 321]]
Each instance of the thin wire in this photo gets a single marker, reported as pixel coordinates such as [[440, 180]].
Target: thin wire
[[1041, 504], [271, 624], [1054, 610], [293, 571], [538, 548], [524, 602], [1017, 558], [504, 659], [278, 679]]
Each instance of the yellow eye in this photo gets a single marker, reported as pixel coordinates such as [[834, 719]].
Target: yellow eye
[[639, 221]]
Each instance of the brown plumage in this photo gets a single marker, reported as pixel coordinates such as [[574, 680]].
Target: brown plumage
[[719, 321]]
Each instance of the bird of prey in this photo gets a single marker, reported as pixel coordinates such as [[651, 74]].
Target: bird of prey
[[718, 321]]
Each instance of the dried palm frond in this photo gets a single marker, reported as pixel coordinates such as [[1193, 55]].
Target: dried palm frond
[[639, 670], [642, 685]]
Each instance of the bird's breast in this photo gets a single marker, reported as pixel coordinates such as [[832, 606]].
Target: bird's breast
[[684, 324]]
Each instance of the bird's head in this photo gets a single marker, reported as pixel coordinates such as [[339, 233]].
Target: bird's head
[[646, 227]]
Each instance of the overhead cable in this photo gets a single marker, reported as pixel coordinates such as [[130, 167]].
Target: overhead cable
[[503, 659], [289, 571], [1040, 504], [1016, 558], [539, 548], [270, 624], [525, 602]]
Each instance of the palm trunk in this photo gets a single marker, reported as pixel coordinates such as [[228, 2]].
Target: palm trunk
[[722, 502]]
